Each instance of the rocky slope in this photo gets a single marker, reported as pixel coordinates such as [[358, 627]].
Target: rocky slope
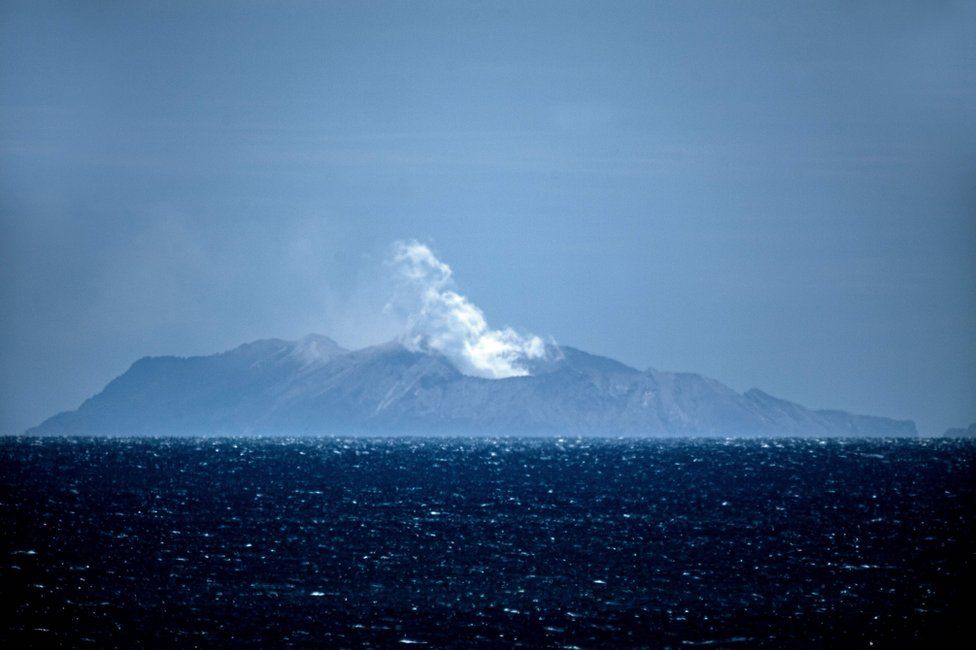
[[313, 386]]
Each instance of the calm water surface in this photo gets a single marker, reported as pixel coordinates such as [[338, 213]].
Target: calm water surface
[[538, 543]]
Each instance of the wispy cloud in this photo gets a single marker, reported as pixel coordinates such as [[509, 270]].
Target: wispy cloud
[[442, 320]]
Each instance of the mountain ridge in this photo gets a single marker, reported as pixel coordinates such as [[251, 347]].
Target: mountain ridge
[[961, 432], [314, 386]]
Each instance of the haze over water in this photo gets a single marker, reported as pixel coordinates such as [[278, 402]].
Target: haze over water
[[543, 217], [771, 194]]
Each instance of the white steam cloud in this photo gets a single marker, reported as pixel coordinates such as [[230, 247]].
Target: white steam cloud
[[442, 320]]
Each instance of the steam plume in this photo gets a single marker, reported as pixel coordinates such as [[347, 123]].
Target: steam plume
[[442, 320]]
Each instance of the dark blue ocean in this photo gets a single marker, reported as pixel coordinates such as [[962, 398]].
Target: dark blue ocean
[[485, 543]]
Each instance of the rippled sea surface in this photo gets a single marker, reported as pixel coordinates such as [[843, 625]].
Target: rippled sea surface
[[540, 543]]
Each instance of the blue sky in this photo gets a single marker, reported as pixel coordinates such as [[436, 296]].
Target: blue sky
[[779, 195]]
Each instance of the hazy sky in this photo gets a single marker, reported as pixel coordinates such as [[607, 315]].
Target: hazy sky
[[774, 194]]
